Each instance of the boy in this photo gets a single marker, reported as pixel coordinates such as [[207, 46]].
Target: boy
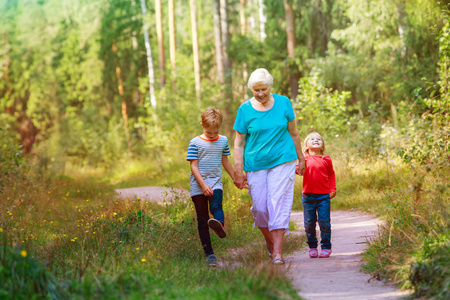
[[206, 154]]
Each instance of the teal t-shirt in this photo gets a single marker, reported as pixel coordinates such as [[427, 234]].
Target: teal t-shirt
[[268, 142]]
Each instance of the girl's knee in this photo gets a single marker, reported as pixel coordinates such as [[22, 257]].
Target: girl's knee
[[324, 225], [310, 227]]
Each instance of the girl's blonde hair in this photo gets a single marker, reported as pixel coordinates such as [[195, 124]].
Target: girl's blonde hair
[[308, 137], [212, 118], [260, 75]]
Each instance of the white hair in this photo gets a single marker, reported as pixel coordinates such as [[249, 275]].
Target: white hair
[[260, 75]]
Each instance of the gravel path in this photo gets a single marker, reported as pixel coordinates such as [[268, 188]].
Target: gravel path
[[338, 277], [153, 193]]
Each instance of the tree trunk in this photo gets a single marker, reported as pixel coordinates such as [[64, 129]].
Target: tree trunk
[[172, 41], [120, 87], [243, 23], [160, 34], [290, 31], [401, 13], [225, 39], [151, 71], [228, 109], [195, 49], [218, 42], [242, 18], [262, 21]]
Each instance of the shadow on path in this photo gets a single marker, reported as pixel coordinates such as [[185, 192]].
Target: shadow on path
[[339, 276]]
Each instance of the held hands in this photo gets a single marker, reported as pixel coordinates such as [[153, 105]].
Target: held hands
[[332, 195], [240, 180], [300, 168]]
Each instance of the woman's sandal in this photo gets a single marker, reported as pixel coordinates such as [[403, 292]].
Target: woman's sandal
[[278, 261]]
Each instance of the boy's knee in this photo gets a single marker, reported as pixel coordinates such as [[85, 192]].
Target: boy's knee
[[215, 206], [202, 222]]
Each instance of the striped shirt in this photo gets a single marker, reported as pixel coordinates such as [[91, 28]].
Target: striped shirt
[[209, 155]]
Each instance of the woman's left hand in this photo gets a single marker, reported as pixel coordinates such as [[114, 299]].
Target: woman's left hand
[[300, 168], [332, 195]]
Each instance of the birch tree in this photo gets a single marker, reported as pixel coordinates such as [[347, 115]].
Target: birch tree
[[151, 71], [262, 21]]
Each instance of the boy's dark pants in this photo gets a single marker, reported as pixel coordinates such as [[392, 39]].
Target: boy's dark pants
[[316, 207], [201, 208]]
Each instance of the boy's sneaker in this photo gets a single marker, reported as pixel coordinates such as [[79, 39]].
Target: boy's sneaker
[[313, 253], [217, 227], [325, 253], [211, 260]]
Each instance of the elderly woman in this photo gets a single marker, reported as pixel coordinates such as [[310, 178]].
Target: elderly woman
[[266, 147]]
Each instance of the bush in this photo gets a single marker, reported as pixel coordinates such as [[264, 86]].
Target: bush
[[23, 277], [430, 274], [320, 108]]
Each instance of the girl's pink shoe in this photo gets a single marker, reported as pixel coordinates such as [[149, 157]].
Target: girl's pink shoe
[[325, 253], [313, 253]]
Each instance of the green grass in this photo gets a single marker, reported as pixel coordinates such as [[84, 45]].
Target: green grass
[[91, 245], [82, 242]]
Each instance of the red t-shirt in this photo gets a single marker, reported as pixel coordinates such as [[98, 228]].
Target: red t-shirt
[[319, 177]]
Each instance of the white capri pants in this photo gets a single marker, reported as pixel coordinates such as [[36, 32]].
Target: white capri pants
[[272, 193]]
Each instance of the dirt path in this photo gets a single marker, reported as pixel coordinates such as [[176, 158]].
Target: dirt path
[[153, 193], [338, 277]]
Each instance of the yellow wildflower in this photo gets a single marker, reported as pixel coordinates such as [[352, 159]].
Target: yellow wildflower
[[23, 253]]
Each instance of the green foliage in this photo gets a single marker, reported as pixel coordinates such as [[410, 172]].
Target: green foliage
[[24, 277], [11, 163], [382, 53], [321, 109], [430, 273]]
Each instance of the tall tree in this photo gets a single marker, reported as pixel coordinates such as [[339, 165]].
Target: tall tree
[[243, 26], [120, 88], [290, 31], [160, 34], [218, 42], [151, 71], [172, 41], [225, 39], [195, 48], [262, 20]]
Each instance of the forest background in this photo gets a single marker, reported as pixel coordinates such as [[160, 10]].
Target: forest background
[[110, 91]]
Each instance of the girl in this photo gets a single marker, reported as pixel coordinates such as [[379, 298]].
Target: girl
[[319, 187]]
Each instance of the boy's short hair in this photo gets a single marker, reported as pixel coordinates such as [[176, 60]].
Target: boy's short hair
[[212, 117], [260, 75]]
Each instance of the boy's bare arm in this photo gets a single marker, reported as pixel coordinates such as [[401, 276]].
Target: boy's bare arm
[[227, 166], [207, 190]]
